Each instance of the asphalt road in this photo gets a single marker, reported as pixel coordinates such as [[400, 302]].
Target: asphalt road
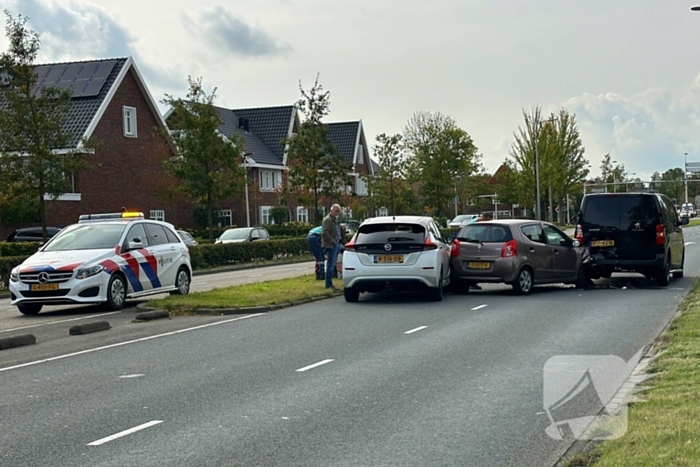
[[391, 380]]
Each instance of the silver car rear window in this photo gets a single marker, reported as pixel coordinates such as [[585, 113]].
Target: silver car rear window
[[383, 233], [485, 233]]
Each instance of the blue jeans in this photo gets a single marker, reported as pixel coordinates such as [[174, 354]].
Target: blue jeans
[[331, 258], [314, 241]]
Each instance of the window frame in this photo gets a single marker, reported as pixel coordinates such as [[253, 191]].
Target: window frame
[[157, 215], [129, 122]]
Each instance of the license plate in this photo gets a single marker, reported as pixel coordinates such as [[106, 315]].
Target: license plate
[[388, 259], [478, 265], [40, 287], [603, 243]]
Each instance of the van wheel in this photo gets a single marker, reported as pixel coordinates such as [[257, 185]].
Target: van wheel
[[679, 274], [351, 295], [30, 309], [522, 284], [182, 282], [116, 292], [662, 279]]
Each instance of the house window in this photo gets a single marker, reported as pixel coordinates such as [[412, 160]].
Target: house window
[[269, 179], [302, 214], [360, 154], [157, 215], [347, 213], [225, 217], [129, 114], [382, 212], [265, 214], [361, 186]]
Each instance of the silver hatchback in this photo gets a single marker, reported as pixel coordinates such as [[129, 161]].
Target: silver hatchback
[[521, 253]]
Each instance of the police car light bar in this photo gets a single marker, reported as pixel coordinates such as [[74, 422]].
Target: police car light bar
[[112, 216]]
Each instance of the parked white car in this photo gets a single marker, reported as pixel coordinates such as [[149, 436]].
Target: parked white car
[[104, 258], [461, 220], [405, 253]]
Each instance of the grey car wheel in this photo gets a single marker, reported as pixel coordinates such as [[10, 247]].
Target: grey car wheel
[[116, 292], [182, 282], [523, 282]]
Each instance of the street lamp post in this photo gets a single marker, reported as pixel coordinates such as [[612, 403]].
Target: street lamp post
[[246, 159], [537, 165]]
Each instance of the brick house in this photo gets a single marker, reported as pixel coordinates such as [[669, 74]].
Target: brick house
[[112, 106], [263, 130]]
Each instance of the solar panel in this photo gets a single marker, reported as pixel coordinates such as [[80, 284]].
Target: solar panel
[[94, 87], [105, 69], [41, 72], [79, 86], [54, 75], [71, 72], [88, 70]]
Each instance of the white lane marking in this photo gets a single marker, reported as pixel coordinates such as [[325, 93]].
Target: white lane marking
[[125, 432], [131, 376], [416, 330], [479, 307], [689, 243], [60, 321], [119, 344], [322, 362]]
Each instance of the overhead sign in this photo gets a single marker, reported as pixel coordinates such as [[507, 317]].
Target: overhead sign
[[692, 167]]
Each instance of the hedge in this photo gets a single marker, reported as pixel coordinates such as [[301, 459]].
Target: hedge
[[7, 263], [18, 248]]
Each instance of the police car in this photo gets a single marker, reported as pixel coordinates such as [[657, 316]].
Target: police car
[[104, 258]]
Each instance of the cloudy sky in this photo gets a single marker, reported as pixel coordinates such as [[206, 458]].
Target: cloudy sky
[[629, 71]]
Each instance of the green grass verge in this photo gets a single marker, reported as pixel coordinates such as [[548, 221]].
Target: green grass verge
[[665, 430], [272, 292], [694, 221]]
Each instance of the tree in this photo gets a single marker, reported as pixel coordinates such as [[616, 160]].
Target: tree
[[36, 151], [672, 184], [612, 174], [316, 168], [207, 163], [441, 153], [559, 153], [389, 186]]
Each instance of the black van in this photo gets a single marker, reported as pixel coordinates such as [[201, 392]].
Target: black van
[[635, 232]]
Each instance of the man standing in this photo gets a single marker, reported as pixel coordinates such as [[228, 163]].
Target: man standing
[[330, 240]]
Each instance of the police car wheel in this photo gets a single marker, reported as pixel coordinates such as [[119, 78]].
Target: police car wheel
[[30, 308], [182, 282], [116, 292]]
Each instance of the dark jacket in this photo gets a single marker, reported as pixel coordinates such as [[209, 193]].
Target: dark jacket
[[329, 234]]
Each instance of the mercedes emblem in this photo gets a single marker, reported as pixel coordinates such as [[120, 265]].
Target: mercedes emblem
[[43, 277]]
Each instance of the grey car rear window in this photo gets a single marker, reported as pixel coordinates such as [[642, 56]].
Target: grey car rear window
[[485, 233], [393, 232]]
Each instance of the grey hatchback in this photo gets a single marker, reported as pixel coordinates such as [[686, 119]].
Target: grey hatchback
[[521, 253]]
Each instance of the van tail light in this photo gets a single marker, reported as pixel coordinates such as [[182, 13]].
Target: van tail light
[[660, 235], [350, 246], [509, 249], [578, 234], [454, 249], [429, 245]]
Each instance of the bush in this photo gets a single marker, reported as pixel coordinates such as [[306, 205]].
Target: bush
[[18, 248], [289, 229], [7, 263], [222, 254]]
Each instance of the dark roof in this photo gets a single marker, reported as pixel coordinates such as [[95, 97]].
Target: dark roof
[[344, 136], [267, 127], [84, 105]]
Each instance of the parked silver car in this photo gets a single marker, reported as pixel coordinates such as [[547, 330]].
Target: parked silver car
[[521, 253], [461, 220]]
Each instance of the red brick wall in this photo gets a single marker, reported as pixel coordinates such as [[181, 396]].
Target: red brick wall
[[123, 171]]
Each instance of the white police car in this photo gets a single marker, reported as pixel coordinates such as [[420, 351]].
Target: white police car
[[104, 258]]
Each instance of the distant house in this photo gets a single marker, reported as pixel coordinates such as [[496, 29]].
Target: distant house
[[112, 106], [263, 130]]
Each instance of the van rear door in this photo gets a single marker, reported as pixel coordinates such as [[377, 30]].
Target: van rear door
[[621, 226]]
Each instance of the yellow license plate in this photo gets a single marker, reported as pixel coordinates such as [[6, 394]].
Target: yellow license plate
[[478, 265], [388, 259], [40, 287], [603, 243]]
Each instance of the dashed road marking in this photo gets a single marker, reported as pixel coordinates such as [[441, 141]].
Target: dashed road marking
[[125, 432], [420, 328], [322, 362], [479, 307]]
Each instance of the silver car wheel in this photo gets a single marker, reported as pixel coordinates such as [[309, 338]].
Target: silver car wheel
[[117, 292], [525, 280], [183, 282]]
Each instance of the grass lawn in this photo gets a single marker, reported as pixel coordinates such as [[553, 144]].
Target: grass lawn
[[245, 295], [665, 430], [694, 221]]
